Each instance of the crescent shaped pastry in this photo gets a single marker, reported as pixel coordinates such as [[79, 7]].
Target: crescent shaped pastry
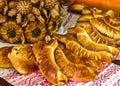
[[72, 57], [85, 23], [89, 44], [22, 59], [113, 22], [77, 72], [83, 52], [109, 13], [86, 10], [88, 17], [4, 60], [82, 9], [105, 29], [85, 17], [96, 36], [77, 8], [48, 66]]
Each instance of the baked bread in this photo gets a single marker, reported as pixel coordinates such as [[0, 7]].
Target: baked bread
[[47, 64], [85, 17], [72, 57], [4, 60], [77, 72], [83, 9], [22, 59], [104, 28], [113, 21], [96, 36], [88, 43], [83, 52]]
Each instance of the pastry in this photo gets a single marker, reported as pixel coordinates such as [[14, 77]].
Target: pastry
[[83, 52], [89, 44], [23, 59], [11, 32], [4, 60], [76, 72], [47, 64], [86, 17], [34, 32], [113, 22], [96, 36], [82, 8], [105, 29], [72, 57], [37, 47]]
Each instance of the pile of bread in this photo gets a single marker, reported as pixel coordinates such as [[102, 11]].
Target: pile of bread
[[78, 55]]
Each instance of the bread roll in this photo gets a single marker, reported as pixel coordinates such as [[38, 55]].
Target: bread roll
[[22, 58], [83, 52], [47, 64], [4, 60], [77, 72]]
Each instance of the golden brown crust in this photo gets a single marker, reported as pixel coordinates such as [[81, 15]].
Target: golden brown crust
[[85, 40], [48, 66], [113, 21], [4, 60], [37, 47], [77, 72], [99, 38], [72, 57], [83, 52], [61, 45], [105, 29], [22, 59], [86, 17], [91, 45], [83, 9]]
